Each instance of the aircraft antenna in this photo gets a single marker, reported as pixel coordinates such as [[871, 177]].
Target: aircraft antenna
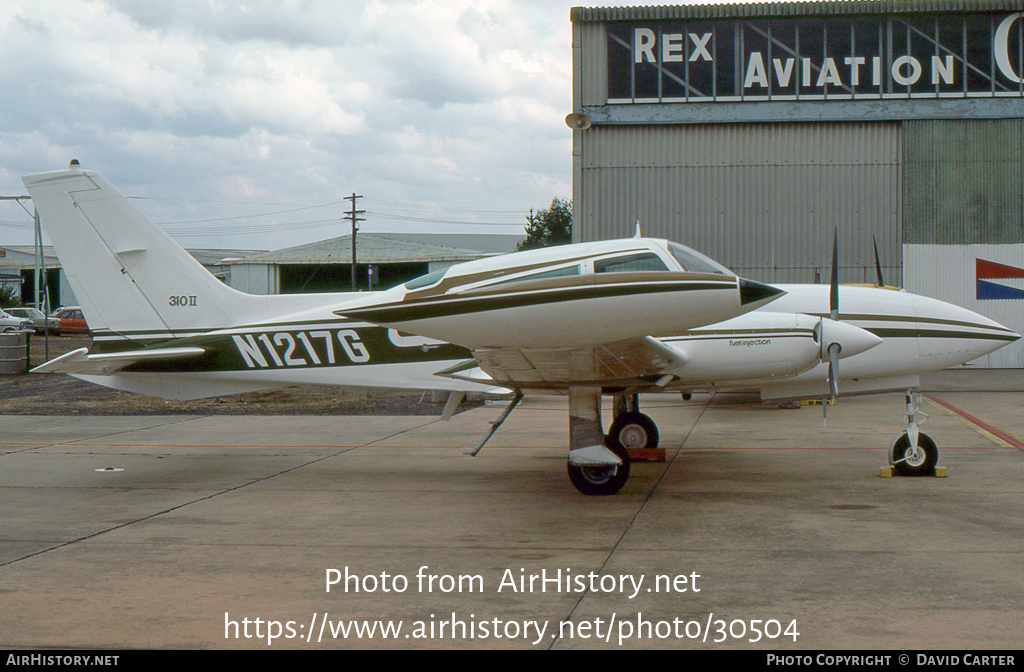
[[878, 263]]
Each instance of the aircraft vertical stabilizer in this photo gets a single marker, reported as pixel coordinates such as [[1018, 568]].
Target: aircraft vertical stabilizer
[[127, 274]]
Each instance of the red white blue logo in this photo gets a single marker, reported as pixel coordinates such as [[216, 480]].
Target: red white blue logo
[[998, 281]]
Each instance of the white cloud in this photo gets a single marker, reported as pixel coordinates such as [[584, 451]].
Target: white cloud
[[451, 104]]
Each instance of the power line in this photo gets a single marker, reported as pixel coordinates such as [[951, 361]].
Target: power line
[[247, 228], [242, 229], [260, 214], [438, 220]]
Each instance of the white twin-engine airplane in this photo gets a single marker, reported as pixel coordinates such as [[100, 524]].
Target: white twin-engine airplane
[[615, 317]]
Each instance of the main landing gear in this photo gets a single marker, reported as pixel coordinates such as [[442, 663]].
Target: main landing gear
[[599, 464], [631, 429], [912, 452]]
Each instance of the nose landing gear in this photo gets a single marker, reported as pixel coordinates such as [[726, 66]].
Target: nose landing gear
[[913, 453]]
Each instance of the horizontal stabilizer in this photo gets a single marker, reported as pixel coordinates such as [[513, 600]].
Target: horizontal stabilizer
[[105, 364], [467, 370]]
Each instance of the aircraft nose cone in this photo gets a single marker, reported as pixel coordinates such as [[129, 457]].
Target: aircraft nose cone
[[756, 292]]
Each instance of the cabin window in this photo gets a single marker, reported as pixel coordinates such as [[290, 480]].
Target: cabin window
[[556, 273], [426, 280], [630, 264]]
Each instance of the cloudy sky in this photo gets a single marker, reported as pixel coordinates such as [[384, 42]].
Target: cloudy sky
[[241, 123]]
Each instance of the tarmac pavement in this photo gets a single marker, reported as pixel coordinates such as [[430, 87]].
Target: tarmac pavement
[[760, 524]]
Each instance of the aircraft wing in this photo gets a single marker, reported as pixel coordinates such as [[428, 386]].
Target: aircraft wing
[[628, 362], [106, 364]]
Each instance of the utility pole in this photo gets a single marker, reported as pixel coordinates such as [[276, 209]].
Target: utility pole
[[38, 241], [40, 262], [353, 216]]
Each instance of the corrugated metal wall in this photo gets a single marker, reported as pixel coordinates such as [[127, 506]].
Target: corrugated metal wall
[[963, 182], [593, 75], [762, 199]]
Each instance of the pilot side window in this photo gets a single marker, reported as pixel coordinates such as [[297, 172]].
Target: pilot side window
[[630, 264]]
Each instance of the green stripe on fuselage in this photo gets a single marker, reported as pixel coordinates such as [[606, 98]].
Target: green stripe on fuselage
[[937, 333], [248, 349]]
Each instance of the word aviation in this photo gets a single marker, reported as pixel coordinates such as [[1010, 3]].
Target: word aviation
[[905, 70], [587, 320]]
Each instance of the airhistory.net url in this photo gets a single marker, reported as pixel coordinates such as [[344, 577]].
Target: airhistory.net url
[[613, 629]]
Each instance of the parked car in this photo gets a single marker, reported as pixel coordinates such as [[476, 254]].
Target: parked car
[[12, 323], [71, 320], [40, 322]]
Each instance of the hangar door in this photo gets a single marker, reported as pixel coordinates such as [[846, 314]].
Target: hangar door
[[763, 199]]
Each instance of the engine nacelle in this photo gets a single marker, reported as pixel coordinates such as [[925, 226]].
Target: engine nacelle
[[761, 347]]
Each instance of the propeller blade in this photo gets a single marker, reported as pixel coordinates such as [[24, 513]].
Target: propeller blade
[[833, 349], [833, 385], [878, 264], [833, 297], [833, 369]]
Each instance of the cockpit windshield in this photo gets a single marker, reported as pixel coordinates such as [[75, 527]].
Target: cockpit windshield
[[695, 262]]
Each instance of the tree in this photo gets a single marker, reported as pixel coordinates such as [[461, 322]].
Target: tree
[[9, 296], [549, 227]]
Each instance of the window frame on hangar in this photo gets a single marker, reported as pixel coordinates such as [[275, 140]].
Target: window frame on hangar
[[923, 154]]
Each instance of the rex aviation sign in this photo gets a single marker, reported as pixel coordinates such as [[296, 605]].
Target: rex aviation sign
[[834, 58]]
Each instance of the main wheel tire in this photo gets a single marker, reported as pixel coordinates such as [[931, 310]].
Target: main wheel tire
[[632, 431], [601, 481], [922, 464]]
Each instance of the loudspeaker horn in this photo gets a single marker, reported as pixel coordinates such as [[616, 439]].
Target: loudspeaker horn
[[577, 121]]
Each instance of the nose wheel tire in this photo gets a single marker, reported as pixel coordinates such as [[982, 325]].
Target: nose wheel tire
[[601, 480], [632, 431], [920, 462]]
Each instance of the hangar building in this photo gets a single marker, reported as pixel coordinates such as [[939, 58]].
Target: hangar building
[[326, 265], [750, 132]]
